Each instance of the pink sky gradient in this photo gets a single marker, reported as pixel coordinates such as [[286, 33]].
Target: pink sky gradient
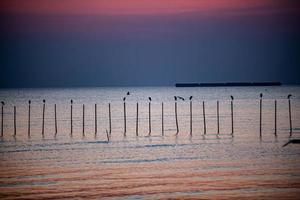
[[119, 7]]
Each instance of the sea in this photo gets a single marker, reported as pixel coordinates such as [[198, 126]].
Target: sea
[[209, 147]]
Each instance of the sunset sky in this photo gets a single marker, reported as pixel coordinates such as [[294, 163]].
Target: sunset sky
[[147, 42]]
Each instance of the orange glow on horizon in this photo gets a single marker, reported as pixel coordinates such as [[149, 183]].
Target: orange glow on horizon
[[118, 7]]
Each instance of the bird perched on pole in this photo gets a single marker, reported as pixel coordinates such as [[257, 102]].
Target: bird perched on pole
[[71, 101], [231, 97], [191, 98], [261, 95], [289, 96], [2, 102], [175, 98], [124, 98], [44, 101], [149, 98]]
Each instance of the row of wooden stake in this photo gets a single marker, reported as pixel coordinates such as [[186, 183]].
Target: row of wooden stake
[[137, 118]]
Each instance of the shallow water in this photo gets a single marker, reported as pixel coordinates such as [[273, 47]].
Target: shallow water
[[202, 166]]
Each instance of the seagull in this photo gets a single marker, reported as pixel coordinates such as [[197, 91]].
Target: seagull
[[175, 98], [128, 93], [191, 97], [261, 95], [149, 98], [2, 102], [181, 98], [289, 96], [124, 98], [231, 97]]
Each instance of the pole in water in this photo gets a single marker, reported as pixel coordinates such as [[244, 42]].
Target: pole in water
[[275, 118], [15, 121], [204, 120], [218, 118], [2, 115], [55, 119], [71, 116], [124, 112], [137, 119], [290, 114], [191, 116], [95, 119], [82, 119], [162, 118], [260, 114], [176, 118], [149, 115], [109, 115], [43, 125], [29, 102], [231, 114]]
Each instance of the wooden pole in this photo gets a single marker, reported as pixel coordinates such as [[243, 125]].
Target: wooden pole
[[71, 116], [43, 125], [260, 115], [204, 121], [290, 117], [124, 107], [29, 102], [83, 119], [191, 118], [96, 119], [109, 113], [149, 118], [137, 119], [275, 118], [162, 118], [55, 119], [231, 117], [218, 118], [15, 121], [2, 117], [176, 118]]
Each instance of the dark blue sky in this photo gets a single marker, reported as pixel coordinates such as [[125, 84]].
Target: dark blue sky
[[51, 50]]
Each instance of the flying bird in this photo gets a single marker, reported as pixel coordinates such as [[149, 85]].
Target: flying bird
[[289, 96], [149, 98], [191, 97], [181, 98], [231, 97]]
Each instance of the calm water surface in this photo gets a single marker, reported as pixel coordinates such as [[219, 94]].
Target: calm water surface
[[150, 167]]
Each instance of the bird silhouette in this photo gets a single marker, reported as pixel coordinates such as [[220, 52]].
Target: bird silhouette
[[2, 102], [124, 98], [71, 101], [149, 98], [261, 95], [128, 93], [191, 97], [44, 100], [231, 97], [175, 98], [289, 96], [29, 102], [181, 98]]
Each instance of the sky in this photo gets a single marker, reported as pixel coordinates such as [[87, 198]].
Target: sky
[[82, 43]]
